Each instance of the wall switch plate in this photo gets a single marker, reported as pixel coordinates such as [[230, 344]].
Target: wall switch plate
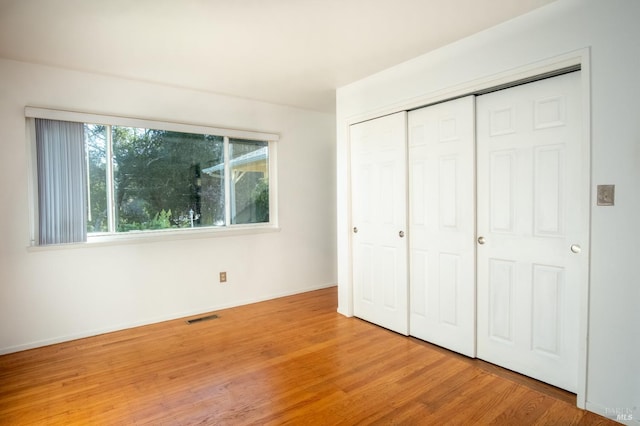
[[606, 195], [223, 277]]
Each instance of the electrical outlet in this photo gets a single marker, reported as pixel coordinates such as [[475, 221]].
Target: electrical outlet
[[223, 277]]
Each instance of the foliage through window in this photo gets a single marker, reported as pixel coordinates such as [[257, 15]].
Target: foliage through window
[[140, 179]]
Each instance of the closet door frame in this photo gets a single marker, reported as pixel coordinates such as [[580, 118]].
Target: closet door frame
[[578, 59]]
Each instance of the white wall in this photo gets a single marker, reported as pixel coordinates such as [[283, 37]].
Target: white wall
[[610, 31], [51, 295]]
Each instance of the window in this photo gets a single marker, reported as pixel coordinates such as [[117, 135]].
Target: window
[[129, 178]]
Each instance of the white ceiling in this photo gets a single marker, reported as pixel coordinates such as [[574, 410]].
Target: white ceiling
[[292, 52]]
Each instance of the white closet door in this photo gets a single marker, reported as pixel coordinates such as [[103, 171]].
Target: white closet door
[[533, 204], [379, 217], [442, 225]]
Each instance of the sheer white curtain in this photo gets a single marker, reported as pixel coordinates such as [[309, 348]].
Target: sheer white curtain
[[62, 182]]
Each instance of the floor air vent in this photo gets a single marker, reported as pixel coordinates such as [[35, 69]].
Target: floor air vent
[[207, 318]]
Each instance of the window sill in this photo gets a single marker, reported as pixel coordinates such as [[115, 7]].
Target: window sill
[[136, 237]]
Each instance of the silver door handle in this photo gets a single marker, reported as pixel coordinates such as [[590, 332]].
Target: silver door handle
[[481, 240], [401, 234], [355, 229], [575, 248]]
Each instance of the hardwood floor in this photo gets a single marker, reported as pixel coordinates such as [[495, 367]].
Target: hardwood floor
[[292, 360]]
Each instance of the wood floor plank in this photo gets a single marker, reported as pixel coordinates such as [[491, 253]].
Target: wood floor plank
[[292, 360]]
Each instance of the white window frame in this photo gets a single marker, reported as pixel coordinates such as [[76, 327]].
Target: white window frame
[[31, 113]]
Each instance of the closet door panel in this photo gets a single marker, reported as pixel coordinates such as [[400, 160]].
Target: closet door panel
[[379, 219], [442, 225], [533, 206]]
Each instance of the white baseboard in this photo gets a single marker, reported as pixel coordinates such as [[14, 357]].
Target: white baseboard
[[169, 317]]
